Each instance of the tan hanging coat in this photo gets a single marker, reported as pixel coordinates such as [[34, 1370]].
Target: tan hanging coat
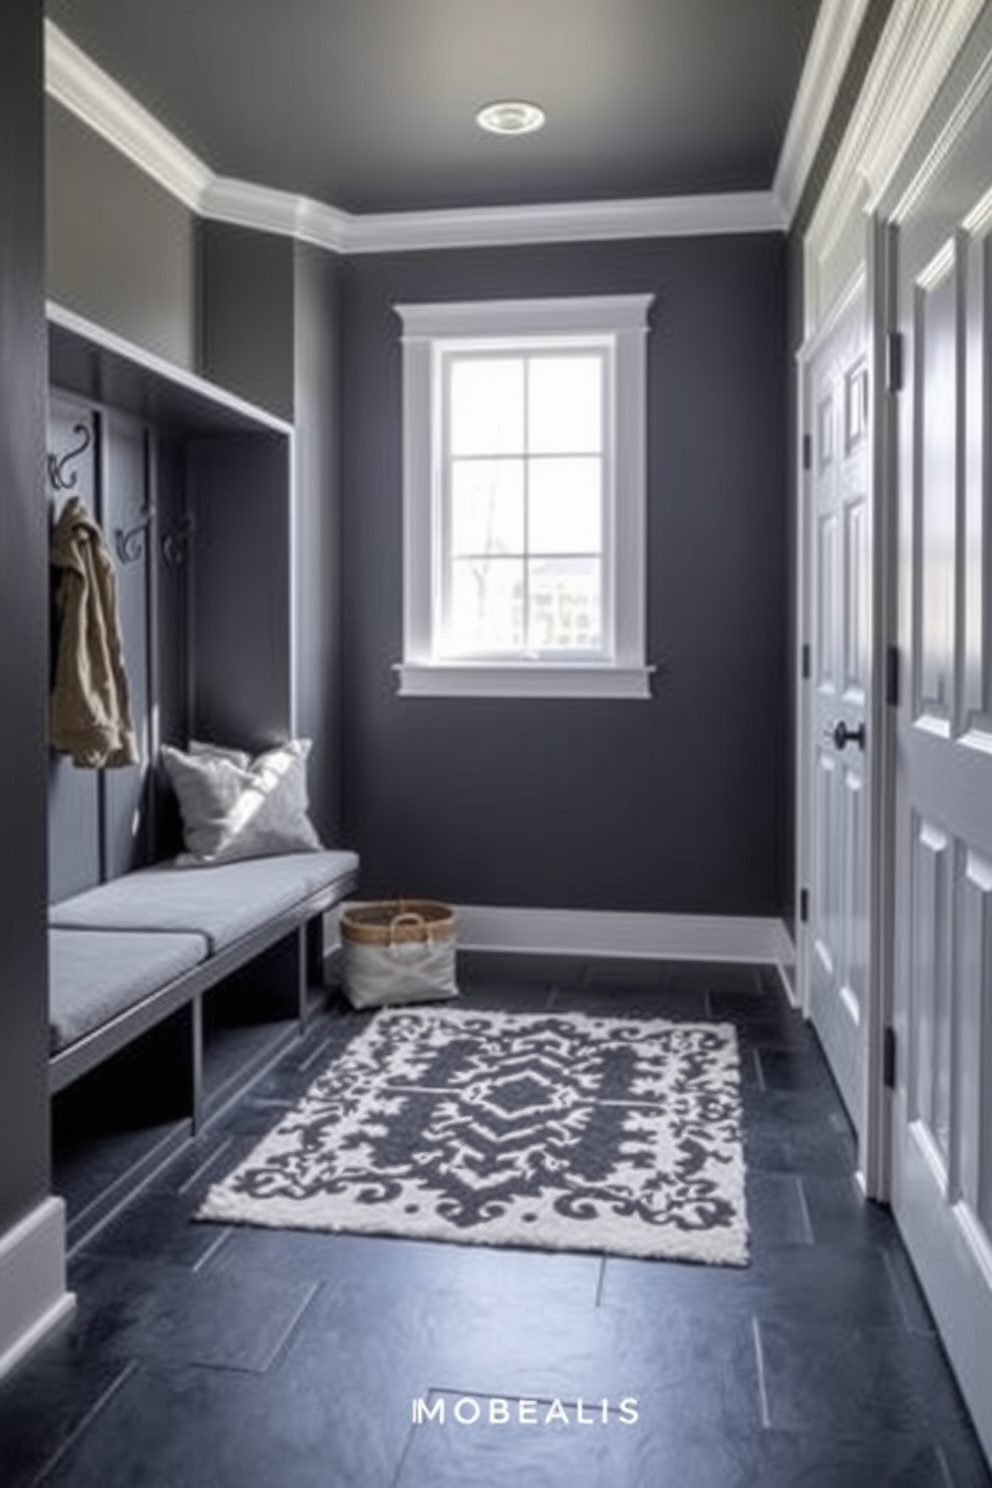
[[89, 714]]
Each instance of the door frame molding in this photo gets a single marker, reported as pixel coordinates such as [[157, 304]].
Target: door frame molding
[[861, 286]]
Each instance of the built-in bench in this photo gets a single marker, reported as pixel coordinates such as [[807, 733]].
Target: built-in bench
[[129, 953], [173, 989]]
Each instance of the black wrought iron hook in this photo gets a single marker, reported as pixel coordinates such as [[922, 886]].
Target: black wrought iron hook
[[130, 541], [57, 463]]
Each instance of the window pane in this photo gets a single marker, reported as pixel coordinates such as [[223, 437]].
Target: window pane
[[565, 509], [565, 605], [487, 605], [487, 406], [565, 405], [487, 506]]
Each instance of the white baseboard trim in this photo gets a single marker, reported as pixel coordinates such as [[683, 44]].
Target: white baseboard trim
[[580, 932], [33, 1298], [587, 932]]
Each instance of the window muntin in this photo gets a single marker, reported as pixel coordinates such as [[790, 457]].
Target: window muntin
[[524, 509], [525, 496]]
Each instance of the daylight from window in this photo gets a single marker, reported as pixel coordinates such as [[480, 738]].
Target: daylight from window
[[524, 504]]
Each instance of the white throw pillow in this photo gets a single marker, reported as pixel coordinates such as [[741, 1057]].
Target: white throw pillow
[[233, 806]]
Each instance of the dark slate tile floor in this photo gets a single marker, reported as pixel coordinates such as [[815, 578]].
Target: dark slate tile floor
[[209, 1357]]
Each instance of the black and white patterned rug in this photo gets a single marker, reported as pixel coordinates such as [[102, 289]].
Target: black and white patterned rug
[[556, 1131]]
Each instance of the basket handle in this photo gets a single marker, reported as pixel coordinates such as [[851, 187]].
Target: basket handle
[[405, 948]]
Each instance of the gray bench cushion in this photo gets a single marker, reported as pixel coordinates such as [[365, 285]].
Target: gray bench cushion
[[96, 974], [223, 902]]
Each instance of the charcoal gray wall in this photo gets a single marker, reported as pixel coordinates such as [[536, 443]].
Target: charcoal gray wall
[[270, 329], [317, 325], [676, 804], [245, 309], [120, 249], [24, 1161]]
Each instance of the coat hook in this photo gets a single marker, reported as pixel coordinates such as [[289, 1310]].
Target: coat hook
[[57, 463], [176, 542], [129, 541]]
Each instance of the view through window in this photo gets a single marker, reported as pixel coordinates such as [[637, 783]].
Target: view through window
[[526, 503]]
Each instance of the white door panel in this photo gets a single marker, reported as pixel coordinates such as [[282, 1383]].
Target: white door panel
[[839, 621], [942, 1109]]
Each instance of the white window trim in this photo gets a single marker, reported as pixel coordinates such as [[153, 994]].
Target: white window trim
[[625, 675]]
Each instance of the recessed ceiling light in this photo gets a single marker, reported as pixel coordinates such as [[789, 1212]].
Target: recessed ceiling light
[[510, 116]]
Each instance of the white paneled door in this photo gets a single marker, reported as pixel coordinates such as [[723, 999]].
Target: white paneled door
[[940, 262], [838, 620]]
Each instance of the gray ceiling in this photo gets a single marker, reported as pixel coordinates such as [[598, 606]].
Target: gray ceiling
[[368, 104]]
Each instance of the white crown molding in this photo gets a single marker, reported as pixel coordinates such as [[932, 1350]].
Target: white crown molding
[[76, 82], [268, 210], [917, 47], [830, 49], [489, 227]]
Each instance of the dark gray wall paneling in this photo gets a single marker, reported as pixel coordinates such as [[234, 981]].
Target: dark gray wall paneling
[[320, 560], [245, 307], [74, 848], [270, 329], [239, 489], [669, 805], [24, 1160], [120, 249], [126, 496]]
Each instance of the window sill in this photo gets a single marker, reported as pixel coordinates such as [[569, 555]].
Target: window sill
[[494, 679]]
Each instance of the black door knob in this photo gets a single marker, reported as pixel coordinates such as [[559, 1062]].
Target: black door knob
[[843, 735]]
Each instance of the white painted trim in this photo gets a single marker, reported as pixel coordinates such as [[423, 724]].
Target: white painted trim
[[830, 48], [494, 679], [99, 337], [76, 82], [918, 45], [580, 932], [266, 209], [33, 1298], [80, 85], [577, 315], [564, 222], [616, 327]]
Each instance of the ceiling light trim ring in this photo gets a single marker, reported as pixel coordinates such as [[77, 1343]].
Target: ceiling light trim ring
[[510, 117]]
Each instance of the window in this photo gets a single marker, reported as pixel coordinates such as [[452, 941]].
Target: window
[[524, 434]]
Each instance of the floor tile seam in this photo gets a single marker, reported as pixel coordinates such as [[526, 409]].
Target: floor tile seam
[[218, 1243], [190, 1182], [902, 1301], [766, 1420], [129, 1368], [304, 1065], [281, 1348], [539, 1397]]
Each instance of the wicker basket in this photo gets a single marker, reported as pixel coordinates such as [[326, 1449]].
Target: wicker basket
[[398, 950]]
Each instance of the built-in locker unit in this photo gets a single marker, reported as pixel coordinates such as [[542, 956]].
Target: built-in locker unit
[[193, 490]]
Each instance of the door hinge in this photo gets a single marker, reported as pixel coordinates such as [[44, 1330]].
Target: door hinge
[[894, 362], [807, 452], [804, 906], [892, 676], [889, 1058], [806, 661]]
